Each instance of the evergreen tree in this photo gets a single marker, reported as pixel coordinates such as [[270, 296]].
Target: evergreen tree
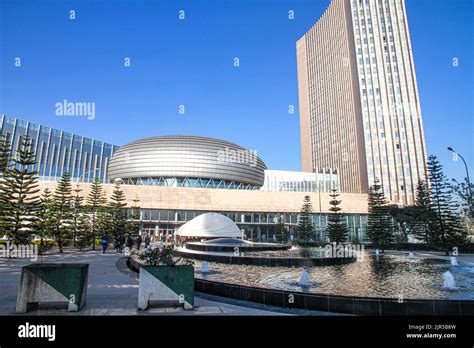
[[281, 234], [104, 220], [446, 230], [337, 229], [463, 191], [379, 221], [96, 202], [62, 211], [133, 223], [118, 213], [80, 222], [44, 223], [404, 220], [5, 194], [20, 188], [424, 214], [5, 152], [305, 226]]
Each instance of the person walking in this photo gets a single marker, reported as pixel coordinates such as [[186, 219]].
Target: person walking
[[121, 242], [117, 244], [129, 242], [139, 242], [104, 241], [147, 241]]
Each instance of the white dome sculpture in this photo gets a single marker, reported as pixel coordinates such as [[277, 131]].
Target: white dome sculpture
[[210, 225]]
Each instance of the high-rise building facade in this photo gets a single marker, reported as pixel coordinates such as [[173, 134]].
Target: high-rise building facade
[[358, 96], [58, 152]]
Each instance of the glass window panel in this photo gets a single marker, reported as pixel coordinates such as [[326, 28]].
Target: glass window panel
[[181, 216], [164, 215], [155, 215]]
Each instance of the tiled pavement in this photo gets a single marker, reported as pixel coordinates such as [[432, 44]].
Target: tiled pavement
[[113, 290]]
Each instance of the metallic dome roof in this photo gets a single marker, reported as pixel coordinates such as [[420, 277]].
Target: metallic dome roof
[[186, 156]]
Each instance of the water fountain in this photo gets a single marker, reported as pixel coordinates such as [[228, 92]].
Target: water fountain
[[205, 267], [449, 282], [304, 280], [454, 261]]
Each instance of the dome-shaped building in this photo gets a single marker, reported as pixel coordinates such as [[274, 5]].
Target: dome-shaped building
[[187, 161], [209, 225]]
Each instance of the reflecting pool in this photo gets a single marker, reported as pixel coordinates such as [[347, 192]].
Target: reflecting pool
[[371, 276]]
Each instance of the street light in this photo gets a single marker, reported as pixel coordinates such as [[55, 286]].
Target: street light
[[119, 181], [467, 176], [91, 171]]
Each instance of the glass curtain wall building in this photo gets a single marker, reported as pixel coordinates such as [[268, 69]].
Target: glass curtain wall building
[[58, 152], [258, 226]]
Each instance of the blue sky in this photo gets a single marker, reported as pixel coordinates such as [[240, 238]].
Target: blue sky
[[190, 62]]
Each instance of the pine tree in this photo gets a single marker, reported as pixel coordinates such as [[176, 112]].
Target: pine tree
[[424, 213], [80, 221], [446, 230], [305, 226], [133, 223], [5, 194], [44, 223], [5, 152], [281, 234], [404, 221], [118, 213], [20, 188], [337, 229], [379, 221], [96, 202], [104, 220], [62, 211], [463, 191]]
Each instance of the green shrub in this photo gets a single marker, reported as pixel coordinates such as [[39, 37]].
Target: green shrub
[[163, 256]]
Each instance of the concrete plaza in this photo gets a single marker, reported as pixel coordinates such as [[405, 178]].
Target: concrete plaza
[[113, 290]]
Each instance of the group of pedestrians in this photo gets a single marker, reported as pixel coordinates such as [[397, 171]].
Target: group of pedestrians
[[121, 241]]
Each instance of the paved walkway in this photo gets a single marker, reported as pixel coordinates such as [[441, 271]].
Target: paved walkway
[[113, 290]]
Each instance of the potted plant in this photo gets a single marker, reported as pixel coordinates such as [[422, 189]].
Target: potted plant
[[165, 278]]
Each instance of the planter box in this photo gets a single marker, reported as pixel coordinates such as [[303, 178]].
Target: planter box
[[166, 284], [53, 282]]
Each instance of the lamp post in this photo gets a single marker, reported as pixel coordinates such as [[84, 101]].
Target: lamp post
[[118, 181], [467, 176], [91, 171]]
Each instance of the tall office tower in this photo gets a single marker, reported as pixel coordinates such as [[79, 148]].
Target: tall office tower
[[358, 97]]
